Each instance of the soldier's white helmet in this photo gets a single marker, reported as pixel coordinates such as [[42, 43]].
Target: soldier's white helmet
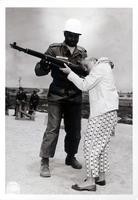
[[73, 25]]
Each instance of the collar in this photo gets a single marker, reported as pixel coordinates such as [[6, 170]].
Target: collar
[[76, 49]]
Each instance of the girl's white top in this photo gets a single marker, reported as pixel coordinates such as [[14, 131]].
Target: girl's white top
[[103, 96]]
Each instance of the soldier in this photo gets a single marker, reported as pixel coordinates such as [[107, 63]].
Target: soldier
[[64, 99], [21, 99], [33, 103]]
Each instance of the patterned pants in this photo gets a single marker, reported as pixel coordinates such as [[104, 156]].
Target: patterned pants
[[96, 143]]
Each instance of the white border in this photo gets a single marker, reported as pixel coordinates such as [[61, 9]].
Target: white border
[[2, 94], [66, 3]]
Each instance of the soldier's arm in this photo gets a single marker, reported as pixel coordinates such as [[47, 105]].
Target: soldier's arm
[[43, 68]]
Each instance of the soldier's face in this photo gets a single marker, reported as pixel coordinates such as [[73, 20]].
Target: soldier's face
[[71, 39]]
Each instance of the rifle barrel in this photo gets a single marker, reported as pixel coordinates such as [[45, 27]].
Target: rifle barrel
[[48, 58], [34, 53]]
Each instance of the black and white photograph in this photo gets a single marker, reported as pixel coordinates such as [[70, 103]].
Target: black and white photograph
[[69, 101], [68, 124]]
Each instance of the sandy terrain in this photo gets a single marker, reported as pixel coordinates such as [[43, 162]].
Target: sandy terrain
[[23, 139]]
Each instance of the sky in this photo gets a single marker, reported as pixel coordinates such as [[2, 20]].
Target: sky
[[106, 32]]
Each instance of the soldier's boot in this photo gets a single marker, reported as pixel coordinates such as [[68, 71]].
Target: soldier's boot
[[71, 160], [44, 169]]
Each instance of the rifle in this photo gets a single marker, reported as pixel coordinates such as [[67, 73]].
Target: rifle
[[49, 59]]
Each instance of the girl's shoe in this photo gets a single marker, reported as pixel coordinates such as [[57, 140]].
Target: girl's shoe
[[86, 188]]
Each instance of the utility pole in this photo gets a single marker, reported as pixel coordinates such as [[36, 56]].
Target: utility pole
[[20, 78]]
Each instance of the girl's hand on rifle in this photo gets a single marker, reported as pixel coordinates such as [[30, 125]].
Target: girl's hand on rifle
[[66, 69]]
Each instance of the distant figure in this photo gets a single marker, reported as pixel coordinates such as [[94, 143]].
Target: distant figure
[[7, 102], [21, 100], [33, 103]]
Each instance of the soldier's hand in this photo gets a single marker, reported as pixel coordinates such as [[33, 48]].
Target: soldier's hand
[[45, 65], [45, 62]]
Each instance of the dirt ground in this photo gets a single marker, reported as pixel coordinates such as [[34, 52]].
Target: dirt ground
[[23, 140]]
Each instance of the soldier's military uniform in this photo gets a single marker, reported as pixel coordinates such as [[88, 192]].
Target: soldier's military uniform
[[21, 100], [64, 99], [33, 103]]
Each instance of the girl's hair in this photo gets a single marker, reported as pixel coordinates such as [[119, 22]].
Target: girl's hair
[[87, 61], [91, 59], [97, 61], [106, 60]]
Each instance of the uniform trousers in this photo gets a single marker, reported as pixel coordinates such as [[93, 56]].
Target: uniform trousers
[[72, 123], [96, 143]]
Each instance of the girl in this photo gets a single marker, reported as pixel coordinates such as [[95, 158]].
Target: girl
[[103, 98]]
